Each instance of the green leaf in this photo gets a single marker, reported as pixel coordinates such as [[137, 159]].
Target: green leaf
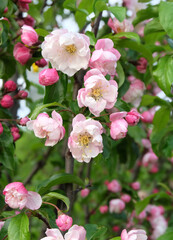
[[70, 4], [94, 231], [149, 12], [141, 205], [163, 74], [3, 5], [166, 236], [121, 75], [57, 179], [118, 12], [122, 106], [38, 109], [63, 198], [41, 32], [19, 228], [130, 35], [99, 6], [92, 38], [149, 100], [153, 26], [166, 17], [116, 238], [137, 133], [161, 118], [2, 68], [7, 149]]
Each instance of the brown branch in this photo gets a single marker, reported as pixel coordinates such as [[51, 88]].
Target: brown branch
[[96, 24]]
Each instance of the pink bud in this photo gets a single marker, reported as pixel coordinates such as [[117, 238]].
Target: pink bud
[[10, 86], [126, 198], [41, 63], [7, 101], [15, 135], [29, 35], [48, 76], [118, 128], [147, 117], [116, 206], [30, 21], [116, 228], [22, 94], [132, 117], [25, 1], [1, 129], [23, 121], [135, 185], [84, 192], [103, 209], [114, 186], [64, 222], [21, 53], [6, 10], [24, 7], [14, 129], [142, 65], [1, 224]]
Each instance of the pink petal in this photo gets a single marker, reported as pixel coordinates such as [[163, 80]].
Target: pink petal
[[117, 115], [34, 200]]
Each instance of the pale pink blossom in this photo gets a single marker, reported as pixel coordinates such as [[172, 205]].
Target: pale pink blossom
[[67, 51], [135, 92], [29, 35], [149, 158], [16, 196], [135, 185], [134, 6], [126, 198], [98, 94], [118, 27], [64, 222], [48, 76], [1, 224], [146, 143], [142, 215], [133, 117], [137, 234], [105, 57], [103, 209], [114, 186], [47, 127], [84, 192], [85, 141], [21, 53], [118, 127], [116, 206], [159, 225]]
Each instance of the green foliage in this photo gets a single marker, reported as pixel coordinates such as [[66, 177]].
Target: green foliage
[[166, 17], [54, 195], [95, 232]]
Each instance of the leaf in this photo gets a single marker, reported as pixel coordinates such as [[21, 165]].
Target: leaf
[[63, 198], [166, 236], [7, 149], [137, 133], [70, 4], [2, 68], [19, 228], [122, 106], [163, 74], [130, 35], [148, 100], [166, 17], [149, 12], [42, 32], [153, 26], [118, 12], [121, 75], [3, 5], [57, 179], [92, 38], [116, 238], [141, 205], [94, 231], [38, 109]]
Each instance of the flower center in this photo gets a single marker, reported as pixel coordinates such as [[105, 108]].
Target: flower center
[[70, 48], [84, 140], [96, 93]]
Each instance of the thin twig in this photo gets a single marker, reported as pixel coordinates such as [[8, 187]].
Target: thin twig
[[96, 24]]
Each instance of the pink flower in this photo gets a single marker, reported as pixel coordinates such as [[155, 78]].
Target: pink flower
[[118, 125], [67, 51], [1, 129], [116, 206], [149, 158], [142, 215], [22, 94], [135, 185], [84, 192], [118, 27], [103, 209], [135, 92], [41, 63], [133, 117], [75, 232], [64, 222], [16, 196], [7, 101], [23, 121], [98, 94], [148, 116], [142, 65], [47, 127], [1, 224], [85, 141], [29, 35], [48, 76], [16, 136], [114, 186], [137, 234], [21, 53], [10, 86], [146, 143], [105, 57], [126, 198]]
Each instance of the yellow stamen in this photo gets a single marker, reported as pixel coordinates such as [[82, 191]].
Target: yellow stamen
[[70, 48], [35, 68], [96, 93], [84, 140]]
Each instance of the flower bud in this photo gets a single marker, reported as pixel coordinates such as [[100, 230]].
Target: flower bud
[[41, 63], [103, 209], [116, 228], [64, 222], [48, 76], [7, 101], [1, 129], [6, 10], [23, 7], [142, 65], [21, 53], [29, 35], [135, 185], [10, 86], [30, 21], [15, 135], [147, 117], [126, 198], [23, 121], [114, 186], [14, 129], [22, 94], [116, 206], [132, 117], [84, 192]]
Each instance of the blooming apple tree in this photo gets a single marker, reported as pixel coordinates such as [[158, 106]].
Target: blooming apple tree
[[86, 89]]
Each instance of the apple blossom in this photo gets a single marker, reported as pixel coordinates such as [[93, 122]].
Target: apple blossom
[[67, 51], [147, 116], [114, 186], [149, 158], [118, 127], [16, 196], [64, 222], [105, 57], [137, 234], [85, 141], [142, 65], [48, 76], [135, 185], [117, 27], [98, 94], [116, 206], [47, 127], [28, 20], [21, 53], [1, 224], [133, 117], [7, 101], [103, 209], [126, 198], [22, 94], [84, 192], [29, 35], [10, 86], [23, 121]]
